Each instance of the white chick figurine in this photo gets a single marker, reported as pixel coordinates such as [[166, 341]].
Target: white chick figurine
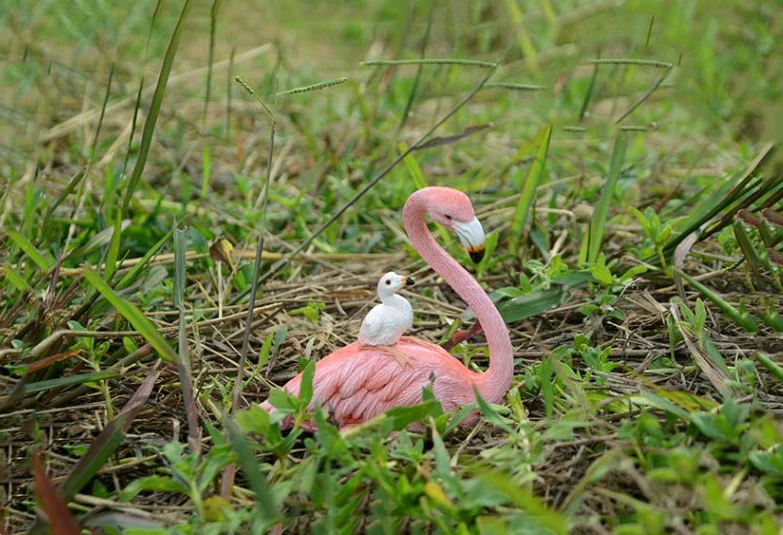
[[386, 323]]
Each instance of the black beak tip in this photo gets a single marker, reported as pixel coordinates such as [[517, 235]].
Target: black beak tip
[[409, 281], [476, 256]]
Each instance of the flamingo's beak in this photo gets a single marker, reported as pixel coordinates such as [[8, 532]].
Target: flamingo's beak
[[471, 234], [407, 281]]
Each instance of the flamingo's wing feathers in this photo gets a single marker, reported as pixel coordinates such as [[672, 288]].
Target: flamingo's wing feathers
[[357, 383], [362, 387]]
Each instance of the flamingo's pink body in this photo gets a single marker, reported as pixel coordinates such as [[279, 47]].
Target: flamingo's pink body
[[357, 382]]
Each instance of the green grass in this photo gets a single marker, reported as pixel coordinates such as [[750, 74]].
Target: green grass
[[621, 157]]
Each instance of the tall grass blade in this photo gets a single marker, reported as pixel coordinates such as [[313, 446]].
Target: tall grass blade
[[529, 189], [265, 499], [206, 171], [133, 274], [726, 202], [179, 266], [413, 167], [157, 100], [103, 113], [134, 124], [23, 386], [772, 317], [773, 368], [589, 92], [523, 38], [213, 13], [417, 80], [114, 248], [229, 85], [70, 380], [438, 141], [598, 221], [227, 481], [131, 313], [745, 200], [775, 256], [103, 446], [15, 279], [747, 321], [748, 249], [44, 260], [59, 516], [61, 197], [98, 240], [646, 95], [183, 362]]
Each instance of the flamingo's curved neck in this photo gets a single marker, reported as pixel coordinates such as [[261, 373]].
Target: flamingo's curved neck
[[495, 382]]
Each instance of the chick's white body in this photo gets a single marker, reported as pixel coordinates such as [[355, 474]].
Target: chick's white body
[[387, 322]]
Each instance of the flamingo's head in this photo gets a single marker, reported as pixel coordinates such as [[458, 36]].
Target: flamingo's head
[[453, 210], [391, 283]]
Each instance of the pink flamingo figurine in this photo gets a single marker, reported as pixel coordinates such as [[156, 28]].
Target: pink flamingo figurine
[[386, 323], [358, 382]]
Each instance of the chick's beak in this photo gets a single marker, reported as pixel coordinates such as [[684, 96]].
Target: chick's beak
[[409, 281], [471, 234]]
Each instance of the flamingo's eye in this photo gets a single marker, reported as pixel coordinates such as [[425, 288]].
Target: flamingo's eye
[[447, 216]]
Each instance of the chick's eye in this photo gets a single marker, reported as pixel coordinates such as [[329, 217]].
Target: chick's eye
[[388, 281]]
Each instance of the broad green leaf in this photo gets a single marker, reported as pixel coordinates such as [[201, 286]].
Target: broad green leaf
[[306, 388], [402, 417], [152, 483], [490, 414], [530, 305], [601, 274], [253, 420]]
